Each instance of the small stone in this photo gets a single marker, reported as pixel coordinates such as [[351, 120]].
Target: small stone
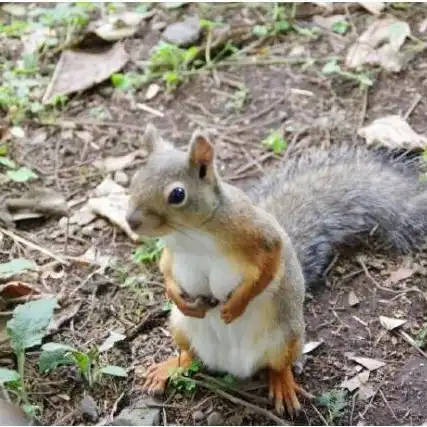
[[198, 416], [152, 91], [183, 33], [89, 408], [121, 178], [214, 419], [139, 414]]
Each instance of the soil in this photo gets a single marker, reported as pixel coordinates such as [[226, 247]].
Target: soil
[[311, 109]]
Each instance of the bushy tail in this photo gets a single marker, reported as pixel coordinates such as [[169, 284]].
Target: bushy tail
[[328, 200]]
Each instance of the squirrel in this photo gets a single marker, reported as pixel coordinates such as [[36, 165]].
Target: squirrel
[[12, 415], [237, 264]]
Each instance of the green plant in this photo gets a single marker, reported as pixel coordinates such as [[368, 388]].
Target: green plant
[[340, 27], [335, 402], [88, 363], [15, 173], [421, 338], [149, 251], [275, 142], [332, 67], [173, 63], [26, 330], [181, 378]]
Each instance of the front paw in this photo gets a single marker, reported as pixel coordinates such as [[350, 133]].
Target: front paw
[[231, 310]]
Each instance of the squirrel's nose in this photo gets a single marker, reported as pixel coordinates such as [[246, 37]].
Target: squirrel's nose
[[134, 219]]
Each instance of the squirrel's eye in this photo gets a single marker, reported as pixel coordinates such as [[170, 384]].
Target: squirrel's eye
[[176, 196]]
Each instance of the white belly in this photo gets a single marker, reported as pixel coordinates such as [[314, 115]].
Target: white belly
[[237, 348], [200, 269]]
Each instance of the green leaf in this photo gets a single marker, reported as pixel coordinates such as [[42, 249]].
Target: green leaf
[[22, 174], [5, 161], [260, 30], [8, 375], [82, 360], [282, 27], [190, 53], [398, 31], [29, 323], [331, 67], [16, 266], [204, 23], [121, 81], [149, 251], [365, 80], [340, 27], [50, 360], [116, 371], [276, 142], [4, 149]]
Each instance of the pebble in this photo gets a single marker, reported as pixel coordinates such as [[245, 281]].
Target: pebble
[[139, 414], [183, 33], [89, 409], [158, 26], [198, 416], [214, 419], [121, 178]]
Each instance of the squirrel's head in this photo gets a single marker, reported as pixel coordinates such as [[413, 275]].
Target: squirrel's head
[[174, 189]]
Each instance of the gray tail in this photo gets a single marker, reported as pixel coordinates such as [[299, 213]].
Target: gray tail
[[328, 201]]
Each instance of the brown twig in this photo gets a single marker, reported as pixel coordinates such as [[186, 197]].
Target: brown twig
[[388, 405], [412, 107], [34, 246], [242, 402]]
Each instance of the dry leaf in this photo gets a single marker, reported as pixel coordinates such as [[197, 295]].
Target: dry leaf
[[366, 362], [113, 164], [366, 391], [78, 70], [328, 22], [353, 299], [423, 26], [93, 256], [355, 382], [17, 289], [392, 132], [380, 44], [111, 202], [111, 340], [310, 346], [401, 273], [62, 316], [373, 7], [390, 323]]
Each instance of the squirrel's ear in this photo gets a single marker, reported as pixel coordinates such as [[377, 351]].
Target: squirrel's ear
[[153, 141], [202, 154]]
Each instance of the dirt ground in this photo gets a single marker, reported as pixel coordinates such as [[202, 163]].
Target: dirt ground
[[311, 109]]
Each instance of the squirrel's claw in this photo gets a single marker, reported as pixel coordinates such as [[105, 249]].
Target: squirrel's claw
[[283, 390], [232, 309]]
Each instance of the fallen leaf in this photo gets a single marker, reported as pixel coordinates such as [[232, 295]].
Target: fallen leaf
[[23, 174], [366, 362], [310, 346], [62, 316], [392, 132], [93, 256], [17, 132], [423, 26], [373, 7], [401, 273], [366, 391], [328, 22], [16, 266], [353, 299], [355, 382], [390, 323], [15, 9], [113, 164], [78, 70], [379, 45], [36, 203], [111, 340], [17, 289]]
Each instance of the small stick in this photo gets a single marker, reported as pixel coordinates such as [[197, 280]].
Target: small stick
[[388, 405], [242, 402], [412, 107], [412, 343], [33, 246]]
